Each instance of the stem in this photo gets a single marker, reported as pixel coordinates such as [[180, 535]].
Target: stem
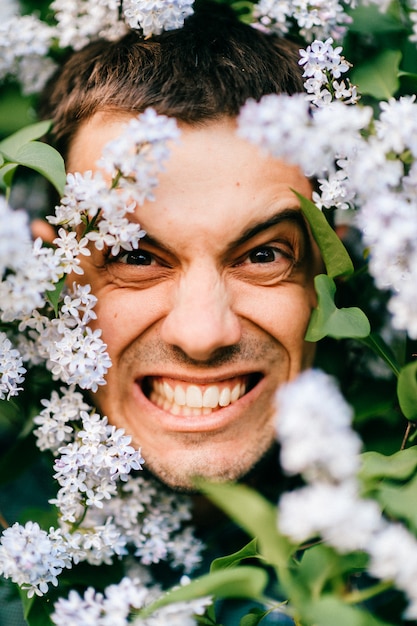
[[355, 597], [3, 522], [78, 523], [410, 426]]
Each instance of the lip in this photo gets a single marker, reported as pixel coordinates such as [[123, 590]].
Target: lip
[[218, 420]]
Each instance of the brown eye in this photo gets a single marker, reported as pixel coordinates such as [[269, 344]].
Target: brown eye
[[264, 255], [136, 257], [267, 254]]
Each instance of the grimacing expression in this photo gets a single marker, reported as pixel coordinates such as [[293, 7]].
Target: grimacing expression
[[208, 317]]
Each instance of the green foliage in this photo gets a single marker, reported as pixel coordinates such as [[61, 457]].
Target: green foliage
[[334, 253], [329, 321], [236, 501], [407, 390], [21, 148], [379, 76], [241, 582], [36, 610], [250, 551]]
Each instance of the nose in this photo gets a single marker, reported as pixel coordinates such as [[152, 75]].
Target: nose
[[201, 319]]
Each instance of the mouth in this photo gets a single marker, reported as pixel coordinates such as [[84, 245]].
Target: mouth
[[181, 398]]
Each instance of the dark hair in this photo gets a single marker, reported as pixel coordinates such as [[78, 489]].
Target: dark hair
[[201, 72]]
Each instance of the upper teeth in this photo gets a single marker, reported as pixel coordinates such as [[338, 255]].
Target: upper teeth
[[172, 396]]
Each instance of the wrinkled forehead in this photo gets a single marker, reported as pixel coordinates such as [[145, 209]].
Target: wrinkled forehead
[[214, 183]]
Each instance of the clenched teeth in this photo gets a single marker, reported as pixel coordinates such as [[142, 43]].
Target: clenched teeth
[[184, 399]]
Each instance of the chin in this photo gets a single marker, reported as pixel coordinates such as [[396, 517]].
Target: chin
[[183, 474]]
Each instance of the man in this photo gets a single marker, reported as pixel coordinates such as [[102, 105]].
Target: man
[[207, 318]]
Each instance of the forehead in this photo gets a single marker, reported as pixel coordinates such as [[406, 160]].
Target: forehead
[[214, 184]]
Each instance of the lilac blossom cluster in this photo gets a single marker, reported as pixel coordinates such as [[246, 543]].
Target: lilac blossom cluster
[[315, 20], [116, 605], [154, 17], [314, 429], [26, 41], [317, 441], [105, 509]]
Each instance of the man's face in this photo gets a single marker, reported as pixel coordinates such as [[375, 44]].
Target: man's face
[[208, 317]]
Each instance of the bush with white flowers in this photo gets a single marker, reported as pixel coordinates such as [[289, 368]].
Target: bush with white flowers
[[341, 546]]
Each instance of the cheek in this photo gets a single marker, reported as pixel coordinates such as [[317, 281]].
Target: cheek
[[125, 314], [282, 311]]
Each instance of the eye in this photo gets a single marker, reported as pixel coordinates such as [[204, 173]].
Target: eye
[[267, 254], [136, 257]]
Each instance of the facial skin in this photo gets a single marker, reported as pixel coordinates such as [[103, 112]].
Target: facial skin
[[212, 308]]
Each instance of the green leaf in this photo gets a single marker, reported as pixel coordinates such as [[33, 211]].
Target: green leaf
[[247, 552], [54, 296], [36, 611], [6, 174], [378, 345], [334, 253], [330, 610], [321, 563], [328, 321], [253, 617], [238, 582], [43, 159], [378, 76], [407, 390], [370, 20], [254, 514], [399, 501], [398, 466], [12, 144]]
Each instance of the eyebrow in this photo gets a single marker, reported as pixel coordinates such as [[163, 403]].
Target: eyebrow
[[288, 215]]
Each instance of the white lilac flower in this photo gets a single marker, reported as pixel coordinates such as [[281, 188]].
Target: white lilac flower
[[79, 304], [14, 235], [33, 272], [155, 16], [75, 355], [114, 606], [24, 45], [314, 428], [84, 196], [54, 421], [323, 65], [139, 153], [87, 468], [9, 8], [31, 557], [149, 519], [334, 512], [334, 192], [389, 226], [81, 21], [314, 140], [316, 19], [396, 128], [11, 369], [393, 556], [68, 248], [402, 305]]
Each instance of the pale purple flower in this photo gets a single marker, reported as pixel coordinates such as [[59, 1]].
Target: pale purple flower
[[314, 428], [11, 369], [155, 16], [31, 557]]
